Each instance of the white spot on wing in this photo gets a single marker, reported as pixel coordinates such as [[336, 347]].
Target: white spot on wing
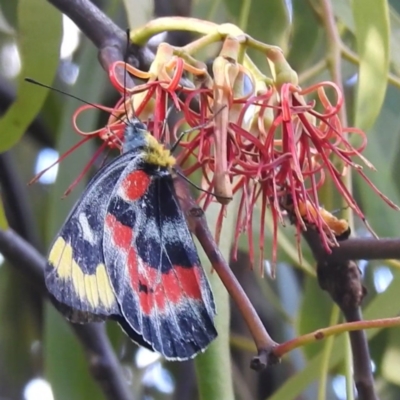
[[87, 231]]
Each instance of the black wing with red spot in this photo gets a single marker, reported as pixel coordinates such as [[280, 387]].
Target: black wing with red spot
[[153, 265]]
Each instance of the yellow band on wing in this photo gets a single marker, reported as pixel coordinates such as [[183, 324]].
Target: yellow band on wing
[[94, 288]]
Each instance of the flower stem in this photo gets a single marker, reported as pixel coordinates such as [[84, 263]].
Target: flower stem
[[141, 35], [320, 334]]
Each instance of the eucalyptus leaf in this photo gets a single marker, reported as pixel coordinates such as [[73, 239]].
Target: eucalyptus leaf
[[39, 39]]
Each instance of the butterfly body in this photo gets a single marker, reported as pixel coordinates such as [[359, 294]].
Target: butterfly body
[[125, 252]]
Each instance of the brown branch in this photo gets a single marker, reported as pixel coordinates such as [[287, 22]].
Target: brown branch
[[101, 358], [341, 278], [343, 282], [354, 248], [367, 249]]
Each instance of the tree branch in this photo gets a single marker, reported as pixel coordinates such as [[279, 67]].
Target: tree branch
[[103, 363], [366, 249], [341, 278]]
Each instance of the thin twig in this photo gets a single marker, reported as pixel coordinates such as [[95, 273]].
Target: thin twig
[[103, 363], [320, 334]]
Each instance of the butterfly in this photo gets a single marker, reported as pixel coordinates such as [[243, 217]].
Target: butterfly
[[125, 252]]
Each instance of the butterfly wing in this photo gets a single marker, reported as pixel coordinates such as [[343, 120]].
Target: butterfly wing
[[75, 274], [154, 268]]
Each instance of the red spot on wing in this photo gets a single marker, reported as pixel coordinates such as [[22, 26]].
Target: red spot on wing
[[168, 289], [182, 282], [155, 290], [122, 237], [135, 185], [120, 234]]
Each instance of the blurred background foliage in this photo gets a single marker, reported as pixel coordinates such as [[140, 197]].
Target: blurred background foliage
[[40, 358]]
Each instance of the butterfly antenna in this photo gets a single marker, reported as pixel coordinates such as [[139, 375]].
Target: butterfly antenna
[[35, 82], [185, 178], [91, 161]]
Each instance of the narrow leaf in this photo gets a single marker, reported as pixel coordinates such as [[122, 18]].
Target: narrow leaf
[[40, 29], [371, 19], [3, 219]]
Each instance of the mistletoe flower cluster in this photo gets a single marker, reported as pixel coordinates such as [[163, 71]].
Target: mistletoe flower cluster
[[264, 139]]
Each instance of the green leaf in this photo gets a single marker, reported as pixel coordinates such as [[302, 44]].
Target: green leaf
[[3, 219], [395, 40], [383, 151], [39, 34], [371, 19]]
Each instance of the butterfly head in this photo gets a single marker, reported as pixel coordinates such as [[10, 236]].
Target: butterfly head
[[138, 137]]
